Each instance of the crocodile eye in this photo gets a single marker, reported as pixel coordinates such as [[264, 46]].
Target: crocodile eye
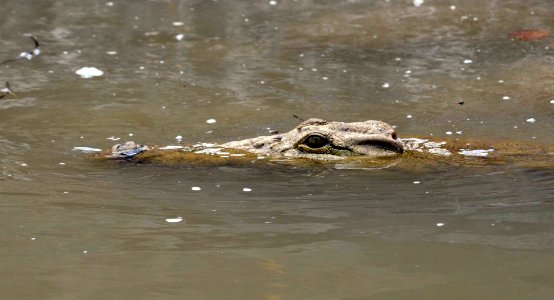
[[315, 141]]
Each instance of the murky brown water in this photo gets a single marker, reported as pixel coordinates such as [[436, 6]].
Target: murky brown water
[[75, 229]]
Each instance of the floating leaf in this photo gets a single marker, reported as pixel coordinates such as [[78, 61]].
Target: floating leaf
[[529, 34]]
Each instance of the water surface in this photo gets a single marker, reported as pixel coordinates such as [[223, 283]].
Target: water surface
[[74, 228]]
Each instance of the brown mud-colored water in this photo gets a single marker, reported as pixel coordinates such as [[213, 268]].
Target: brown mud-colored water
[[76, 228]]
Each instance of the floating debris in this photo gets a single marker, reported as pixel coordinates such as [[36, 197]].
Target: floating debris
[[89, 72], [440, 151], [529, 34], [87, 149], [113, 138], [174, 220], [477, 153], [434, 144], [169, 147], [7, 90], [26, 54]]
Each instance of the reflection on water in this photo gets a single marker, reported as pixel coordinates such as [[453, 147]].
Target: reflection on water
[[72, 228]]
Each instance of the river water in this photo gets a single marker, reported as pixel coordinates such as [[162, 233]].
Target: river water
[[72, 228]]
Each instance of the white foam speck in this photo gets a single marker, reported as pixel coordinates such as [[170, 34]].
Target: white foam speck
[[109, 3], [89, 72], [386, 85], [417, 3], [272, 2], [111, 52], [211, 121], [113, 138], [196, 188], [506, 98], [440, 224], [551, 101], [531, 120], [449, 132], [23, 164], [453, 7], [178, 23], [33, 238], [62, 164], [468, 61], [179, 138], [417, 182], [409, 116], [174, 220], [180, 36], [246, 189]]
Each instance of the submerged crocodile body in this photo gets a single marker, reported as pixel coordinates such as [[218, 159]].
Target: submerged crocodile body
[[321, 140]]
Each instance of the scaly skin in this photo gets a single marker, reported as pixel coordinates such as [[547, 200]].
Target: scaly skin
[[367, 143]]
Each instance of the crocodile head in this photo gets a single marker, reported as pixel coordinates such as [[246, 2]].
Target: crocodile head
[[320, 139]]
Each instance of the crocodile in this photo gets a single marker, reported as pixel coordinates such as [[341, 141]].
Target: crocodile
[[320, 140]]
